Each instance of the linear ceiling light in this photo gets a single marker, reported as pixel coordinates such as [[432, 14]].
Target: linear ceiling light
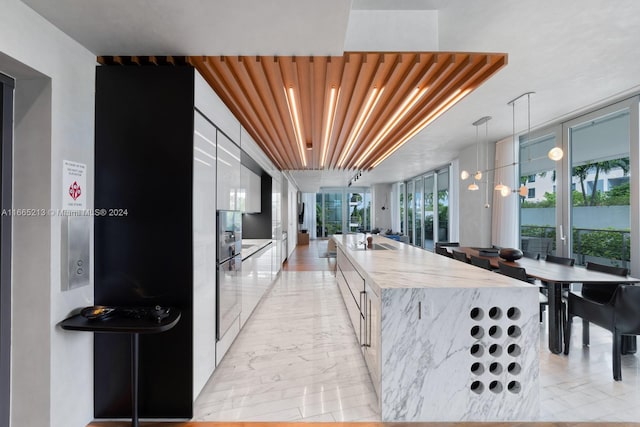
[[295, 120], [448, 103], [355, 133], [328, 127], [397, 116]]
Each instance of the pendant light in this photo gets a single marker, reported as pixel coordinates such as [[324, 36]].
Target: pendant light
[[478, 175], [486, 161], [523, 191]]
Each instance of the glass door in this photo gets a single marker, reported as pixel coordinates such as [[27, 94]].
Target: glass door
[[539, 178], [600, 187], [428, 212], [419, 187], [359, 205], [410, 228], [401, 203], [332, 213], [442, 216]]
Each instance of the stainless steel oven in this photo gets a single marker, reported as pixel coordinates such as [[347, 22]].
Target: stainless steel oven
[[229, 267]]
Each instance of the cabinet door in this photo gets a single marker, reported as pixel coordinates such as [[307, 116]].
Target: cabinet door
[[228, 173], [350, 303], [244, 193], [204, 251], [372, 349], [255, 187]]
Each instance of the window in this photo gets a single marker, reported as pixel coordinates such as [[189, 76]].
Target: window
[[532, 193], [532, 178]]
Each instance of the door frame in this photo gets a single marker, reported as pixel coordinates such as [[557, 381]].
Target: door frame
[[7, 86]]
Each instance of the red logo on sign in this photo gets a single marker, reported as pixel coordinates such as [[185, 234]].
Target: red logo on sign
[[74, 190]]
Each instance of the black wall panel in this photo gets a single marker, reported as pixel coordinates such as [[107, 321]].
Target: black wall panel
[[143, 163]]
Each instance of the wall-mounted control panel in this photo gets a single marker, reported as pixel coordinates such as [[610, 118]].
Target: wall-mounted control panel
[[76, 238]]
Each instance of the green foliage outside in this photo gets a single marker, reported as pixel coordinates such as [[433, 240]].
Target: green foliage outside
[[610, 243]]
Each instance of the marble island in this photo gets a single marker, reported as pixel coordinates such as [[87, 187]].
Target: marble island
[[443, 340]]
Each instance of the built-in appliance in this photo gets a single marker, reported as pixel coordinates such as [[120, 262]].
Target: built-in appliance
[[229, 267]]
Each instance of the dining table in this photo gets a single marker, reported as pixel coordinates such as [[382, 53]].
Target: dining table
[[555, 276]]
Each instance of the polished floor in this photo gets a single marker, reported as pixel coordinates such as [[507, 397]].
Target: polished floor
[[297, 359]]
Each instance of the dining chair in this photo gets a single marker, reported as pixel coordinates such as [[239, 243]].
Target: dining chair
[[560, 260], [531, 255], [480, 262], [521, 274], [441, 250], [600, 293], [619, 315], [447, 244], [460, 256]]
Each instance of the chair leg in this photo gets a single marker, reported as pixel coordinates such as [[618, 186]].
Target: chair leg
[[542, 308], [616, 350], [567, 334], [585, 332]]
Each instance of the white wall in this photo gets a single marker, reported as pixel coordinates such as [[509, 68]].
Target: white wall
[[381, 195], [474, 218], [52, 370]]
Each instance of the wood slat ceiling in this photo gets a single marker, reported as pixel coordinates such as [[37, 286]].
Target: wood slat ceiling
[[372, 87], [363, 123]]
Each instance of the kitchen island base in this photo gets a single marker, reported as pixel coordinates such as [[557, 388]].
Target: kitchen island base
[[443, 341]]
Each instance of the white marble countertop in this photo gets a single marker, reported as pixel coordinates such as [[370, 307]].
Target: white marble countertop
[[251, 246], [411, 267]]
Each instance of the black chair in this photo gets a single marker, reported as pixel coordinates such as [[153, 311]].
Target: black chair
[[618, 315], [560, 260], [460, 256], [531, 255], [447, 244], [600, 293], [481, 262], [443, 251], [521, 274], [516, 272]]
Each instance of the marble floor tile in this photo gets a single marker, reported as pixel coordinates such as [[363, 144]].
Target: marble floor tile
[[297, 359]]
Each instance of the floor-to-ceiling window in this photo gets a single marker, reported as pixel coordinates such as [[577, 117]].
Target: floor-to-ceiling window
[[600, 196], [410, 227], [329, 218], [581, 206], [359, 214], [428, 211], [443, 205], [426, 207], [402, 209], [343, 210], [538, 205], [418, 218], [6, 144]]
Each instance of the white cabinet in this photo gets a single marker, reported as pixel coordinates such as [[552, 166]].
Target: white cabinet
[[371, 345], [204, 251], [254, 199], [256, 279], [228, 174], [249, 196]]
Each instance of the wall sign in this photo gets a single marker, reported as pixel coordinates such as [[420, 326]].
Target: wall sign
[[74, 185]]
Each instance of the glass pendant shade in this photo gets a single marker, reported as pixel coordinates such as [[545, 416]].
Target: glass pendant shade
[[473, 187], [478, 176], [556, 154], [523, 191], [464, 175], [505, 191]]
